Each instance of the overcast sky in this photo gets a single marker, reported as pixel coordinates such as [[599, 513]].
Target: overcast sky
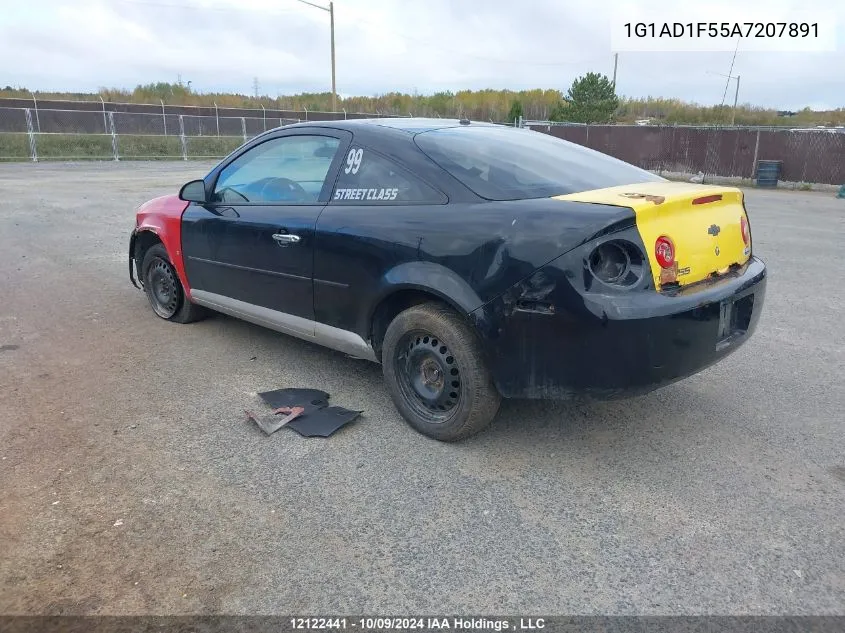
[[394, 45]]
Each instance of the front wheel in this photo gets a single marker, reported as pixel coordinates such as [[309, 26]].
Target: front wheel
[[164, 290], [436, 374]]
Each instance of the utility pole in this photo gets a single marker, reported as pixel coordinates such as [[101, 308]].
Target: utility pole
[[330, 10], [615, 62], [255, 86], [736, 96]]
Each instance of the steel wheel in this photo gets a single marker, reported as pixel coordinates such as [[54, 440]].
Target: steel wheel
[[165, 291], [435, 371], [428, 375]]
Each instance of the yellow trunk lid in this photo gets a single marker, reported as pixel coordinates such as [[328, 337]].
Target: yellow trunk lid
[[705, 228]]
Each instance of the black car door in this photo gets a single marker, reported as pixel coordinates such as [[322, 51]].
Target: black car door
[[380, 215], [251, 247]]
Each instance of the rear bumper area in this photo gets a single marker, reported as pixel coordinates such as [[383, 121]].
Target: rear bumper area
[[610, 346]]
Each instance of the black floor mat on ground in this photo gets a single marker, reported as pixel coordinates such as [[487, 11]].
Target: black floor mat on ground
[[318, 419], [309, 399], [323, 422]]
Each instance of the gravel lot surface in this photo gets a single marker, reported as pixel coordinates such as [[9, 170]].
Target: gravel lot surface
[[130, 482]]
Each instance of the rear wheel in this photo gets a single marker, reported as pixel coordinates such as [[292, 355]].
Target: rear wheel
[[164, 290], [436, 375]]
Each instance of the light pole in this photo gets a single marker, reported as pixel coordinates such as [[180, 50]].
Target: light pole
[[330, 10]]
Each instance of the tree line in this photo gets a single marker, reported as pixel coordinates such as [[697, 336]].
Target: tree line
[[590, 99]]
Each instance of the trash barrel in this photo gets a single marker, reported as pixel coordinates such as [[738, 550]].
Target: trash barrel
[[768, 172]]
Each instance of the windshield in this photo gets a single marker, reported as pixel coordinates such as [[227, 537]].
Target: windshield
[[502, 163]]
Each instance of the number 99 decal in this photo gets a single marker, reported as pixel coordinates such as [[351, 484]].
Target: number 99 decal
[[353, 161]]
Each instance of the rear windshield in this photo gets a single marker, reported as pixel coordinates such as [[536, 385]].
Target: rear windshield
[[501, 163]]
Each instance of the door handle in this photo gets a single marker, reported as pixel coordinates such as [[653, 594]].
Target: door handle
[[285, 238]]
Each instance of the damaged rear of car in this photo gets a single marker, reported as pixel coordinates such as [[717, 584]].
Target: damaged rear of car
[[654, 280]]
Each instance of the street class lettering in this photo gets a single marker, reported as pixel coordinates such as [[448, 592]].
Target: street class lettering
[[366, 194]]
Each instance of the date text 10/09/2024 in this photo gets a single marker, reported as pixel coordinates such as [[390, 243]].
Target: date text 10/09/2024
[[417, 624]]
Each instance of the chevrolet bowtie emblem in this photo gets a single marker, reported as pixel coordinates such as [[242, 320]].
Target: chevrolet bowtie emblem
[[714, 230]]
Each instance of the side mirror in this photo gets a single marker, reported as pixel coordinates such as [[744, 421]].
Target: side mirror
[[193, 191]]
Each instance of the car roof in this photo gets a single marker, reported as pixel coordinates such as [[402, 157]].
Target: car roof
[[412, 125]]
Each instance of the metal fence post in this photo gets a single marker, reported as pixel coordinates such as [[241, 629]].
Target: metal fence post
[[105, 125], [217, 118], [37, 119], [756, 149], [810, 138], [344, 114], [306, 112], [264, 116], [587, 139], [163, 116], [33, 153], [243, 127], [113, 136], [182, 137]]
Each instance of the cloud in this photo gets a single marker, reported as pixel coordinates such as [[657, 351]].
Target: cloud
[[387, 45]]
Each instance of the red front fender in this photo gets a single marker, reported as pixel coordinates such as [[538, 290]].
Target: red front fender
[[163, 217]]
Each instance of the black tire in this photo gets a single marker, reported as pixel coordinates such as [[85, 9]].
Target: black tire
[[436, 374], [164, 290]]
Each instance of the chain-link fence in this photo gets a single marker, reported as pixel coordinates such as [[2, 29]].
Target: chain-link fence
[[808, 156], [48, 134], [78, 130]]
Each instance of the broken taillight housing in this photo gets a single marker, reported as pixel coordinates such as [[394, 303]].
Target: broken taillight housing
[[616, 263], [664, 251]]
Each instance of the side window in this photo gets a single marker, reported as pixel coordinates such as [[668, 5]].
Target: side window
[[369, 178], [288, 169]]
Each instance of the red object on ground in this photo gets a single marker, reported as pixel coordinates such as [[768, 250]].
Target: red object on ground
[[292, 412], [272, 423]]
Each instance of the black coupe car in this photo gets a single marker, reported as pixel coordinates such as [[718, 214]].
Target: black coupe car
[[473, 261]]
